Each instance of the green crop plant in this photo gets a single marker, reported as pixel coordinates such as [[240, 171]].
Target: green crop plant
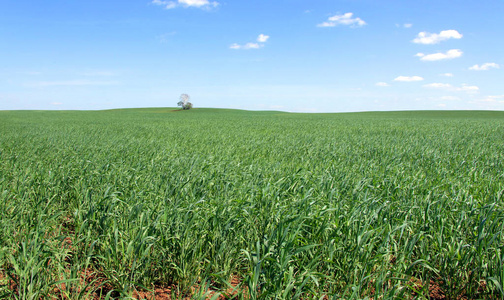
[[251, 205]]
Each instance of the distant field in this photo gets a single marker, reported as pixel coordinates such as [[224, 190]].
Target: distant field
[[253, 205]]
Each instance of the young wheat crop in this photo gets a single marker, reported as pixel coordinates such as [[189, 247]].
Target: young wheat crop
[[251, 205]]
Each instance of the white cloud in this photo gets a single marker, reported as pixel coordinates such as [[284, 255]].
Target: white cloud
[[446, 74], [197, 3], [438, 85], [262, 38], [252, 46], [493, 99], [484, 67], [450, 54], [408, 78], [56, 103], [450, 98], [490, 102], [434, 38], [446, 86], [247, 46], [235, 46], [344, 19], [166, 4], [382, 84], [468, 88], [186, 3], [405, 25]]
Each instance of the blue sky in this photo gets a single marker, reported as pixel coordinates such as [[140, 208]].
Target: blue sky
[[289, 55]]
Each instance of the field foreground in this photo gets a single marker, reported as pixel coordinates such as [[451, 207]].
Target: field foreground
[[212, 203]]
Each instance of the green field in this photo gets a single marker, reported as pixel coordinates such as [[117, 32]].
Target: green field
[[381, 205]]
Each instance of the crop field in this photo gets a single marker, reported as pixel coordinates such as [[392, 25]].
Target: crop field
[[228, 204]]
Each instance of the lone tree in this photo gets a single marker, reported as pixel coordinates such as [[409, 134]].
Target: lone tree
[[184, 101]]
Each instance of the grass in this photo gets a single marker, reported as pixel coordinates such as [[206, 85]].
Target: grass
[[382, 205]]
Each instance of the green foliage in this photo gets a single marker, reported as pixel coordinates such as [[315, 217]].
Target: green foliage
[[295, 206], [184, 102]]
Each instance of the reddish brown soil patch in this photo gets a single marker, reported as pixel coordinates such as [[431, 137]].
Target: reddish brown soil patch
[[435, 291], [158, 293], [171, 292], [68, 225], [9, 283]]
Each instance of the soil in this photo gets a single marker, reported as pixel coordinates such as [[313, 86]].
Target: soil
[[168, 293], [435, 291]]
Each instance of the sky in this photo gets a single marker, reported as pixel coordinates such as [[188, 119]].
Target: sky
[[287, 55]]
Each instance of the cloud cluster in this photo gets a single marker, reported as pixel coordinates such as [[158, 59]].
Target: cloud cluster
[[247, 46], [484, 67], [446, 86], [408, 78], [493, 99], [350, 20], [186, 3], [450, 54], [434, 38], [261, 39], [344, 19], [495, 102]]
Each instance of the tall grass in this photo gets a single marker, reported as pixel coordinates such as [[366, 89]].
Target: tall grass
[[291, 206]]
